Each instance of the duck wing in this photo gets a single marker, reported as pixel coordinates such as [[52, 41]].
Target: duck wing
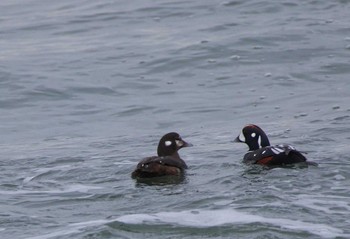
[[167, 160], [159, 166], [275, 155]]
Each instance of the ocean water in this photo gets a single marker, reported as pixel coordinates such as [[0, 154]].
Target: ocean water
[[87, 88]]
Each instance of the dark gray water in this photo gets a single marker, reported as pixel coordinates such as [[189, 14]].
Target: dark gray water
[[88, 87]]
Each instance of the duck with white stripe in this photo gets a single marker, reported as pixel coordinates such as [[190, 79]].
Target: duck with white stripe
[[261, 152]]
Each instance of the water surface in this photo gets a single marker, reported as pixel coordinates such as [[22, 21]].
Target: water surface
[[88, 88]]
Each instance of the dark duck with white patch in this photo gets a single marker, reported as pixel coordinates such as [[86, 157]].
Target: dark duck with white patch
[[168, 161], [261, 152]]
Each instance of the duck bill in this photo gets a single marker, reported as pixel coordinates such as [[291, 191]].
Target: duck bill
[[186, 144], [182, 144], [237, 140]]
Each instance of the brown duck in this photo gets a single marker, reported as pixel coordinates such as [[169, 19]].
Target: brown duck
[[168, 161]]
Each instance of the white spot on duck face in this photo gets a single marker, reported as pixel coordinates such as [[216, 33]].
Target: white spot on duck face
[[241, 137], [259, 141], [168, 143], [179, 143], [253, 135]]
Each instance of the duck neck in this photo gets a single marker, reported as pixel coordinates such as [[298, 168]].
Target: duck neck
[[175, 155], [164, 153]]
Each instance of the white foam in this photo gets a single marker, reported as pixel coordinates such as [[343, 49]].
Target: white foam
[[41, 171], [207, 218], [202, 219], [324, 203], [71, 229], [68, 189]]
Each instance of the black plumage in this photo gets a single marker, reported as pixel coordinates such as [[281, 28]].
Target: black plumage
[[261, 152]]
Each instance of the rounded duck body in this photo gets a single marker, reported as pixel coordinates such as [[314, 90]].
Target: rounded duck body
[[261, 152], [168, 161]]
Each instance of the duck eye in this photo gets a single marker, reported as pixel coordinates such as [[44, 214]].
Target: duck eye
[[253, 135], [168, 143]]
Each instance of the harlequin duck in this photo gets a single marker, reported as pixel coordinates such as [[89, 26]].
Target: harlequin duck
[[168, 161], [260, 151]]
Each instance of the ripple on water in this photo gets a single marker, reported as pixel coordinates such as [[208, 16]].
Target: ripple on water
[[228, 218], [210, 223], [134, 110], [87, 88]]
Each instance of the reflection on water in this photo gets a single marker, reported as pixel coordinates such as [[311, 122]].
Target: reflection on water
[[161, 181]]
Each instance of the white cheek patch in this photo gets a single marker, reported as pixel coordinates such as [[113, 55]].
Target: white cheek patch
[[179, 143], [253, 135], [168, 143], [259, 142], [241, 137]]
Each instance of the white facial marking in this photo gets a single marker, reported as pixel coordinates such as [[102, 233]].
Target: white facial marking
[[168, 143], [241, 137], [179, 143], [259, 141], [253, 135]]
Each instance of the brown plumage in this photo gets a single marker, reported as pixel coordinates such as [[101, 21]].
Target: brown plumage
[[168, 161]]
